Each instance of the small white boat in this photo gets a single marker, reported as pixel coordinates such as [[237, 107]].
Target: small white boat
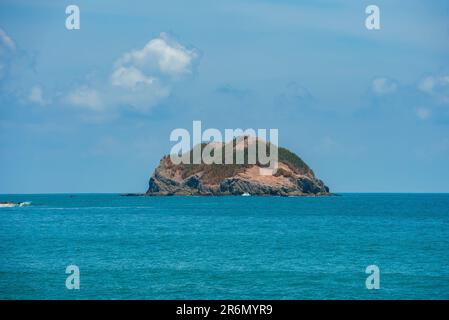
[[7, 204], [246, 194], [10, 204]]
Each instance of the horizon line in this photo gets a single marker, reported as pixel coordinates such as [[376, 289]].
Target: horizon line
[[121, 193]]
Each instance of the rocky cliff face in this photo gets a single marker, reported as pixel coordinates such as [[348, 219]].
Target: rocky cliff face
[[293, 178]]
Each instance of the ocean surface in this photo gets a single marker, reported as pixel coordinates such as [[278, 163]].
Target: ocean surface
[[225, 247]]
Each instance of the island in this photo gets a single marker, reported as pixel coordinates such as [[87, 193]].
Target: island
[[293, 177]]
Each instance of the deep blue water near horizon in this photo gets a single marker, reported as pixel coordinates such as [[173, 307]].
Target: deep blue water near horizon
[[225, 247]]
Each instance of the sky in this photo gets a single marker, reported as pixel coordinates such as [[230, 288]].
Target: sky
[[91, 110]]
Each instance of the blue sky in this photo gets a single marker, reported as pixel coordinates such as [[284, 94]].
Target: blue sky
[[91, 110]]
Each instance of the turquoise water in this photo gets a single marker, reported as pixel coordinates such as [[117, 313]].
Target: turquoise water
[[225, 247]]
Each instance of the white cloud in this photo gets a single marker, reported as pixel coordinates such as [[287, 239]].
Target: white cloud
[[140, 79], [141, 98], [161, 55], [436, 86], [383, 86], [129, 77], [86, 98]]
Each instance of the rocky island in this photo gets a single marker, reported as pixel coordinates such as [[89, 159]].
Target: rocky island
[[292, 178]]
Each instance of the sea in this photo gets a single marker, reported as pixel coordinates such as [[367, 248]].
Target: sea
[[229, 247]]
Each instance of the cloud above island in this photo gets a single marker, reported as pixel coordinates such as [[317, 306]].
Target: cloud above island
[[160, 56], [140, 78]]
